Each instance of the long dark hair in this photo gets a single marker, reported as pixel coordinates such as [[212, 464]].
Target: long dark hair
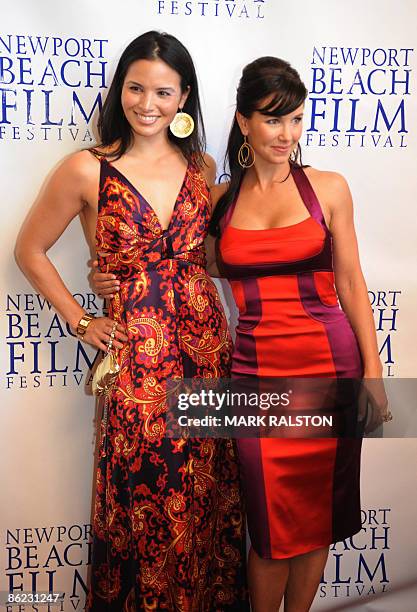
[[113, 126], [265, 78]]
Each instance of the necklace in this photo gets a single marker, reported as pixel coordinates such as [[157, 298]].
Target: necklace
[[283, 180]]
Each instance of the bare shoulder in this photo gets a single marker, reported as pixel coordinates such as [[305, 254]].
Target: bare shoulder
[[217, 191], [209, 161], [331, 189], [76, 175], [81, 165], [327, 181], [209, 169]]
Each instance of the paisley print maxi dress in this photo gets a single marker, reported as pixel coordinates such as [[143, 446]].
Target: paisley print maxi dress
[[168, 527]]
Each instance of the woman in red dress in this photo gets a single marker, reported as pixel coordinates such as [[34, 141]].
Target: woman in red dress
[[168, 528], [286, 239]]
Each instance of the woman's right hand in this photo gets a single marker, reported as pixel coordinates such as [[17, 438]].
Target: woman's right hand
[[98, 333], [104, 285]]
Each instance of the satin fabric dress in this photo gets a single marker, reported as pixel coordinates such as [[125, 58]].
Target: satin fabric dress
[[301, 494], [168, 529]]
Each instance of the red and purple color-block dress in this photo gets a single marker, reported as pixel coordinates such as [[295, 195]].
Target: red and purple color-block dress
[[301, 494]]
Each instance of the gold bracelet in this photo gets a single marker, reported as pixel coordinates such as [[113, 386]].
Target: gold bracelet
[[83, 323]]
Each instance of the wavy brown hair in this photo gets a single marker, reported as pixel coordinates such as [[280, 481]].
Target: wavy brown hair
[[267, 78]]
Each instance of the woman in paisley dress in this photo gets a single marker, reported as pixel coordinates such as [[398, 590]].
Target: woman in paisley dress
[[167, 522]]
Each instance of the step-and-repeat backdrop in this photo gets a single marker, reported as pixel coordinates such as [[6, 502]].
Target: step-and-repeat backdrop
[[56, 61]]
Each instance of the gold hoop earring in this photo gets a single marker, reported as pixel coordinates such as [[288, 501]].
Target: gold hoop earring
[[293, 155], [182, 125], [246, 154]]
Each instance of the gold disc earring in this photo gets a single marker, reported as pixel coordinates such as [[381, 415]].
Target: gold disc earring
[[246, 155], [182, 125]]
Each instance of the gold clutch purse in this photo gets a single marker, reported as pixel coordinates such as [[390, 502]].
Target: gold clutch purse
[[106, 373]]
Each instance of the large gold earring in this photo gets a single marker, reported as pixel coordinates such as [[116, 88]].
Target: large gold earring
[[246, 155], [294, 154], [182, 125]]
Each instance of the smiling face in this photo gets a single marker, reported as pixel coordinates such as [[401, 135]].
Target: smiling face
[[273, 138], [151, 96]]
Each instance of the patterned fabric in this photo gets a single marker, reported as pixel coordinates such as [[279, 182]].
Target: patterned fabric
[[302, 494], [168, 525]]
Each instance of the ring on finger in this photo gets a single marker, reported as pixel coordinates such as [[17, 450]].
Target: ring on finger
[[387, 416], [110, 330], [112, 336]]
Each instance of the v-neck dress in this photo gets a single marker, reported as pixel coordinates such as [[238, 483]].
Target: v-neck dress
[[168, 531], [301, 494]]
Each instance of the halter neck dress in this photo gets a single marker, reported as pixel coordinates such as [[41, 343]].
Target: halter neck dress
[[168, 530], [301, 494]]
